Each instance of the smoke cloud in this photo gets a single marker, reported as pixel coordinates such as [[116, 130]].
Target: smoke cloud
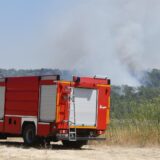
[[114, 38]]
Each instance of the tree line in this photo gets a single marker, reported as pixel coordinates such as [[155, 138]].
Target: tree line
[[140, 103]]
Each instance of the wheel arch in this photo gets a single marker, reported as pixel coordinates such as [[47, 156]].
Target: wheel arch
[[26, 121]]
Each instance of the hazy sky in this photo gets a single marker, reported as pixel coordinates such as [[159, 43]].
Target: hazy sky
[[114, 38]]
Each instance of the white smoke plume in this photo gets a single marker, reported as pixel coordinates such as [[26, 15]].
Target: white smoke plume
[[109, 38], [114, 38]]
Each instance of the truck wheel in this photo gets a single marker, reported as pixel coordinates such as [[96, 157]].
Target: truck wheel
[[3, 136], [74, 144], [29, 135]]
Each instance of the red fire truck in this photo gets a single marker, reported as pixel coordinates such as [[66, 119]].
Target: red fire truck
[[46, 108]]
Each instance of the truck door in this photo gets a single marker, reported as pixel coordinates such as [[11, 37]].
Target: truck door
[[2, 101], [48, 103], [83, 107]]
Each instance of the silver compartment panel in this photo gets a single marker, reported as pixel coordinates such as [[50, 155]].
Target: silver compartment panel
[[2, 101], [85, 107], [48, 103]]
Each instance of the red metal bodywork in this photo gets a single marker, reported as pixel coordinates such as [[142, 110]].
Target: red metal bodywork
[[22, 97]]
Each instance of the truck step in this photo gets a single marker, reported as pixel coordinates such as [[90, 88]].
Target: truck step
[[72, 136]]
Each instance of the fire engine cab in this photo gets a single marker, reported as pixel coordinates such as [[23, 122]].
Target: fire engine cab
[[45, 108]]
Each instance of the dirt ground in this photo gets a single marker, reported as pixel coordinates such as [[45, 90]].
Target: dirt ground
[[11, 150]]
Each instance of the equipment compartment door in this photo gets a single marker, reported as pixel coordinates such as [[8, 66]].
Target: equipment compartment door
[[48, 103], [85, 104], [2, 101]]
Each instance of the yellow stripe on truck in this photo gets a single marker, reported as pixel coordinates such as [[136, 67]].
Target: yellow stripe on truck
[[108, 111], [102, 85], [57, 107], [83, 127]]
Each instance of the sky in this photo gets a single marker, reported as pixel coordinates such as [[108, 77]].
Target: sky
[[118, 39]]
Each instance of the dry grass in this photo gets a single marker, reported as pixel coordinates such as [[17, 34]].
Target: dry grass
[[132, 133], [129, 132]]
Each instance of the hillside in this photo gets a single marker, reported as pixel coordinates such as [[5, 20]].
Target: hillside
[[65, 74]]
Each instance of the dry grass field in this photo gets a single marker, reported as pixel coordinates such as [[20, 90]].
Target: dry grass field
[[137, 133], [15, 150]]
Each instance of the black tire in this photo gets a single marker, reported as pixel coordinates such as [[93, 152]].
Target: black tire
[[3, 136], [29, 135], [74, 144]]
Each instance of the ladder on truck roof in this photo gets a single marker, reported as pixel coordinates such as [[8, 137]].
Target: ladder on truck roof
[[72, 131]]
